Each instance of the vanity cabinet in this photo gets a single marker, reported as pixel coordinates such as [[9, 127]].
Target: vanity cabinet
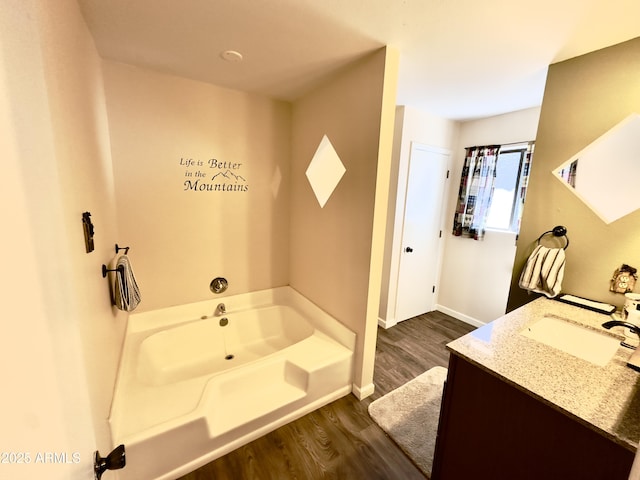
[[490, 429]]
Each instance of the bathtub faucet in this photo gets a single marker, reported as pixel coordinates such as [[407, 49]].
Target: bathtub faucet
[[221, 309]]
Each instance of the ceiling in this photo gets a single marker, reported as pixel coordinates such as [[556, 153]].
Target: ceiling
[[459, 59]]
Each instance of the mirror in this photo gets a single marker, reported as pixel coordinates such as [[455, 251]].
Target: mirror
[[602, 174]]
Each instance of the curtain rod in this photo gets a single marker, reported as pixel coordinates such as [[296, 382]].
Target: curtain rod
[[526, 142]]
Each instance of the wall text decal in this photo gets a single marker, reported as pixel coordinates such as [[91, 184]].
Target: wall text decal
[[213, 176]]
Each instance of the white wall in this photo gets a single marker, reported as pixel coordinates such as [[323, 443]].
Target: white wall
[[411, 125], [476, 275], [61, 343]]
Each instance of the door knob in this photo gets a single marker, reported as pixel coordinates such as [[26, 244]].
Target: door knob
[[408, 249]]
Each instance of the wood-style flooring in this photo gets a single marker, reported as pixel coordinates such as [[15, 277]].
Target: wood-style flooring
[[340, 441]]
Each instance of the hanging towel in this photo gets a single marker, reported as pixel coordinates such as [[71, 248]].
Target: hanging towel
[[126, 294], [544, 271]]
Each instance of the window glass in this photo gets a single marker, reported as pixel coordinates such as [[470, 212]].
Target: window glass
[[500, 216]]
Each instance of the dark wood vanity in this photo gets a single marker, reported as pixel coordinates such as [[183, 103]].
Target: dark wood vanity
[[514, 409], [492, 430]]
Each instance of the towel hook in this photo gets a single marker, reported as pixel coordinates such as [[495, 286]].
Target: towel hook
[[120, 269], [126, 249], [558, 231]]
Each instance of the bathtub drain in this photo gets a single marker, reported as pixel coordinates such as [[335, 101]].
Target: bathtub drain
[[229, 357]]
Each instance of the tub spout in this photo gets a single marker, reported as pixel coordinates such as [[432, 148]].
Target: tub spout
[[220, 309]]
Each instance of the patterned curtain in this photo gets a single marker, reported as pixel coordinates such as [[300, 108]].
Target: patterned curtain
[[476, 191], [523, 184]]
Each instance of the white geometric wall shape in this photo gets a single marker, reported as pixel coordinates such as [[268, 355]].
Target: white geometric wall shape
[[276, 180], [325, 171]]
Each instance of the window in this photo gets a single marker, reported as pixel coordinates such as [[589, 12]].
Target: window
[[512, 172], [493, 185]]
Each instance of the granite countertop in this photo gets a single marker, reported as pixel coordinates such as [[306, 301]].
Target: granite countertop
[[606, 399]]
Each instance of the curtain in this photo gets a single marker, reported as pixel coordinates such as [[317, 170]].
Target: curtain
[[476, 191]]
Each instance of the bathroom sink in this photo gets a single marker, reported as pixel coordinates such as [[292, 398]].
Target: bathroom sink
[[582, 342]]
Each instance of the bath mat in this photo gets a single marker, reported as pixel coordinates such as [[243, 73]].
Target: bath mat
[[410, 414]]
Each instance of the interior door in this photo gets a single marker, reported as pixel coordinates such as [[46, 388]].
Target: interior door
[[421, 231]]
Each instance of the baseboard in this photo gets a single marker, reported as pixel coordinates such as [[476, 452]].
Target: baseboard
[[364, 392], [460, 316], [387, 323]]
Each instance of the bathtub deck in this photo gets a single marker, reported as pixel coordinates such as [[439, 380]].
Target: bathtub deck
[[284, 379]]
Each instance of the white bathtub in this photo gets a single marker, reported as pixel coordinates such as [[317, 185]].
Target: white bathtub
[[190, 390]]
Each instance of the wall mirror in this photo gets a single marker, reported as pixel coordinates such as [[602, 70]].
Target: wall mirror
[[604, 173]]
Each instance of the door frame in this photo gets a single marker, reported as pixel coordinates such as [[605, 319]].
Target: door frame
[[390, 319]]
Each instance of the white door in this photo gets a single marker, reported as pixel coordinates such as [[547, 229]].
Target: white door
[[419, 259]]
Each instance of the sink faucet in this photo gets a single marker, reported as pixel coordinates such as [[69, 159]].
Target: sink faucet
[[220, 309], [634, 360], [617, 323]]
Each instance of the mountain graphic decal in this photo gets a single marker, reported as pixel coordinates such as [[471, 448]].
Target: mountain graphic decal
[[229, 175]]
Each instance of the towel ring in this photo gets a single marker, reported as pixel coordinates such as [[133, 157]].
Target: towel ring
[[558, 231]]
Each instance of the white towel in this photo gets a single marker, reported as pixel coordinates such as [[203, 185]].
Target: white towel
[[126, 294], [544, 271]]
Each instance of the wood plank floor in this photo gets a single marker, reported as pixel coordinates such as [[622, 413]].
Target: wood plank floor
[[340, 441]]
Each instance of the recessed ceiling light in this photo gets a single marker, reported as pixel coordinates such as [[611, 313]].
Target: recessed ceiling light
[[231, 56]]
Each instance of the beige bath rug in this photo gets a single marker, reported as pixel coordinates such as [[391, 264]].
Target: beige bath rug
[[410, 413]]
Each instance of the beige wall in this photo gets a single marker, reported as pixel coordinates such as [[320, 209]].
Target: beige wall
[[81, 138], [181, 239], [272, 234], [584, 97], [63, 339], [331, 247]]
